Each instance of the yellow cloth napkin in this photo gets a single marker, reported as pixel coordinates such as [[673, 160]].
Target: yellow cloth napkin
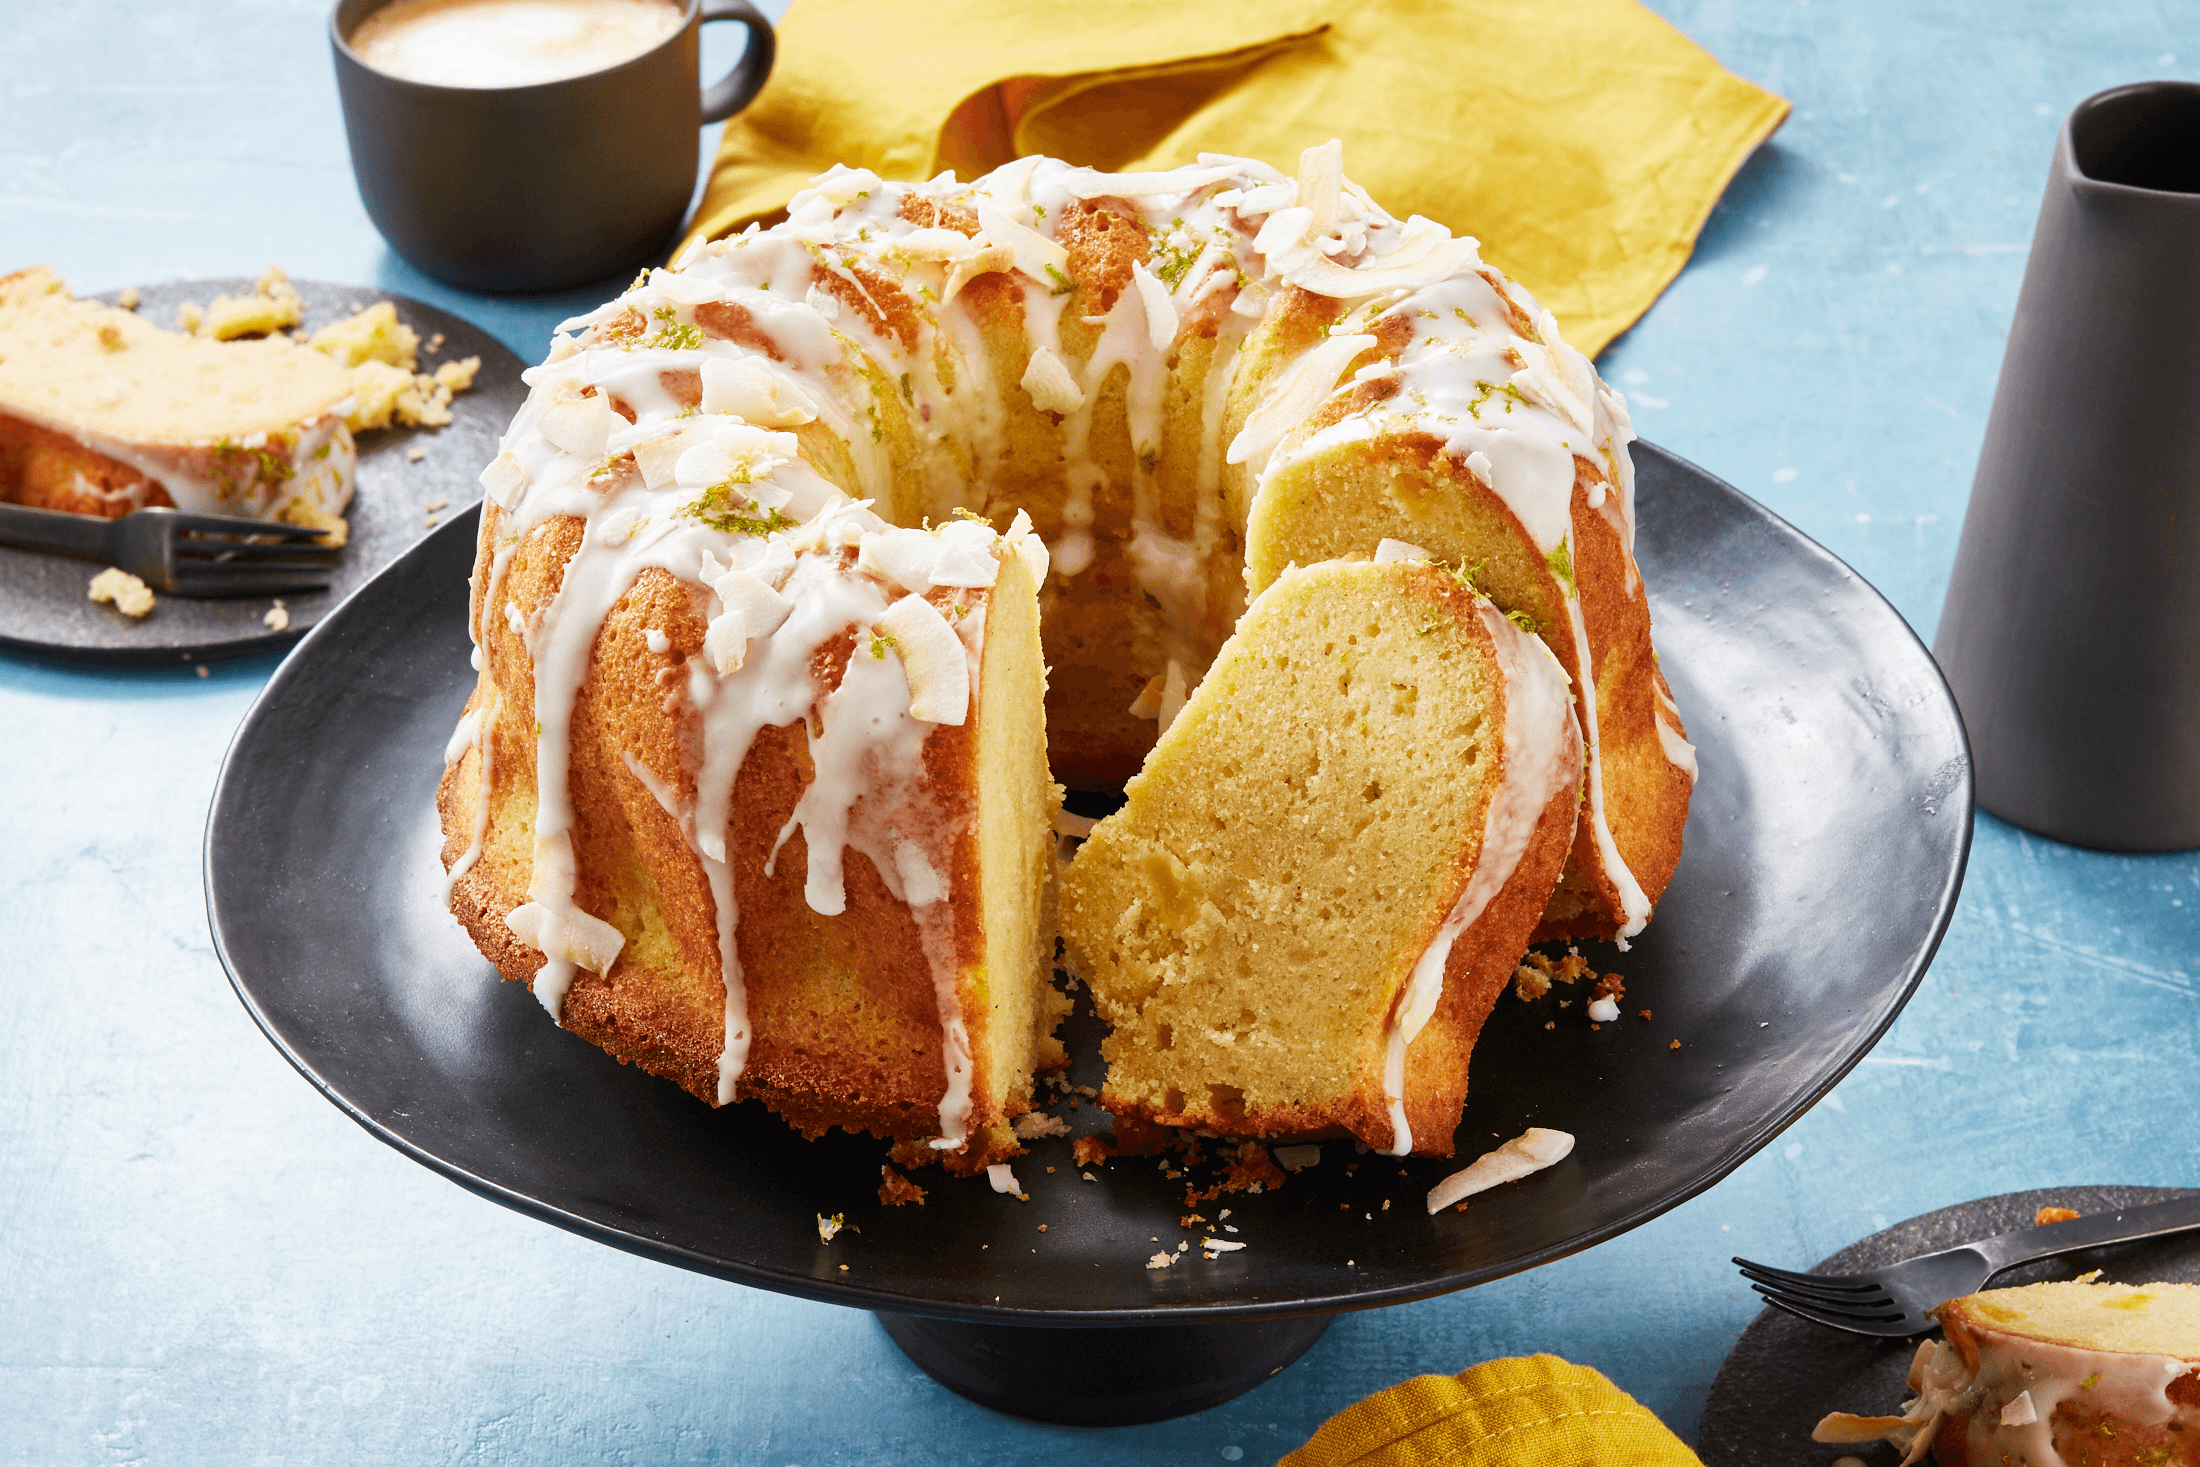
[[1582, 141], [1537, 1411]]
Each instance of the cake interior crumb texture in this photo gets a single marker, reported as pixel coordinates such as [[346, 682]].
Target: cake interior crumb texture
[[1250, 918]]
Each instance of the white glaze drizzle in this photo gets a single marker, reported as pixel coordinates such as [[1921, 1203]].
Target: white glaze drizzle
[[1542, 754]]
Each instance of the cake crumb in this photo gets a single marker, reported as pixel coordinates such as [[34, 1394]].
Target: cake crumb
[[1042, 1227], [1676, 1044], [2054, 1215], [127, 298], [1034, 1125], [1190, 1220], [435, 344], [1297, 1158], [1090, 1151], [273, 306], [1646, 1016], [131, 596], [435, 504], [201, 669], [415, 454], [1161, 1260], [844, 1268], [894, 1189], [1088, 1176], [277, 618]]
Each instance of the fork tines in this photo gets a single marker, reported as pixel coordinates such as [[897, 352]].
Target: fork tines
[[214, 524]]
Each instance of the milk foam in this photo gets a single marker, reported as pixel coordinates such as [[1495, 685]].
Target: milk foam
[[509, 43]]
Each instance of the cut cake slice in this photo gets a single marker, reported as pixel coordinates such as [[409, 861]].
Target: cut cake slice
[[2076, 1371], [1330, 863], [102, 412]]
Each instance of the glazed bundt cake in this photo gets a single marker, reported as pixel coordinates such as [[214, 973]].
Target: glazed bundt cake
[[1327, 870], [2104, 1374], [1181, 382], [102, 412]]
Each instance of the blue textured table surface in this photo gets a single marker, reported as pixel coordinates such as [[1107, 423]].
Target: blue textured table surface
[[201, 1260]]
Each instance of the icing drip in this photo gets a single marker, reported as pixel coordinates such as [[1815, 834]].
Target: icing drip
[[1633, 902], [1678, 751], [317, 463], [1541, 756]]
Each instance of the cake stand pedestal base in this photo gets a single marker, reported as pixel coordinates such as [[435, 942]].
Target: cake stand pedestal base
[[1102, 1377]]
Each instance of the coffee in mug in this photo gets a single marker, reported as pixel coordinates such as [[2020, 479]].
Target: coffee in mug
[[524, 145], [509, 43]]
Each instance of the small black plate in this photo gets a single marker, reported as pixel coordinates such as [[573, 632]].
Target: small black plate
[[1824, 852], [1784, 1374], [46, 615]]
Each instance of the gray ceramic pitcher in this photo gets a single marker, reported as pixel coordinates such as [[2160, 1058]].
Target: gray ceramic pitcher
[[2071, 632]]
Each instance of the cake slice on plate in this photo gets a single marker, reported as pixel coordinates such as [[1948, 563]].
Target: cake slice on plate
[[2103, 1374], [102, 412]]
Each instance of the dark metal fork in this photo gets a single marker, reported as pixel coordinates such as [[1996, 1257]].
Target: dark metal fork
[[181, 554], [1896, 1300]]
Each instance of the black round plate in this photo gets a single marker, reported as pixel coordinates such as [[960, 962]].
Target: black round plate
[[1824, 853], [1784, 1374], [46, 615]]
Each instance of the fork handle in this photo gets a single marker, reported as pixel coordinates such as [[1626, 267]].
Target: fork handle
[[56, 530], [2045, 1240]]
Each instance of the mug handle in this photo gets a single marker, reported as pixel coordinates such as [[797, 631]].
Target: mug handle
[[738, 87]]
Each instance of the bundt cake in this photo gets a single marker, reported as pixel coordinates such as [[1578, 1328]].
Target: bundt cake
[[2051, 1374], [1324, 875], [1182, 382], [102, 412]]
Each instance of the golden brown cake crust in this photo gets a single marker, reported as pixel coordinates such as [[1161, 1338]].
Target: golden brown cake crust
[[49, 470], [844, 1018]]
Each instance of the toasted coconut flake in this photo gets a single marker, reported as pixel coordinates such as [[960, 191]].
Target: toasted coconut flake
[[1052, 388], [932, 658], [992, 260], [754, 393], [581, 426], [505, 480], [578, 938], [1310, 379], [1529, 1152], [1843, 1428], [1036, 255], [1161, 320]]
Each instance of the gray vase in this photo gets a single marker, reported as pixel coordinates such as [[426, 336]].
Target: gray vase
[[2071, 632]]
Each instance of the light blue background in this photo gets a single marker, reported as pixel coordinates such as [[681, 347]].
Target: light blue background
[[201, 1260]]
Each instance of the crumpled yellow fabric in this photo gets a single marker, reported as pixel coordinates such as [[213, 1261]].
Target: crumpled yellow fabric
[[1533, 1411], [1583, 142]]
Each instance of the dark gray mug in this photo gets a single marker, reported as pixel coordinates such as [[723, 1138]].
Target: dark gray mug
[[546, 186], [2071, 632]]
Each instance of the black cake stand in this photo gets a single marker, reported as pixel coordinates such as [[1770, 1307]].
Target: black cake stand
[[1824, 852]]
